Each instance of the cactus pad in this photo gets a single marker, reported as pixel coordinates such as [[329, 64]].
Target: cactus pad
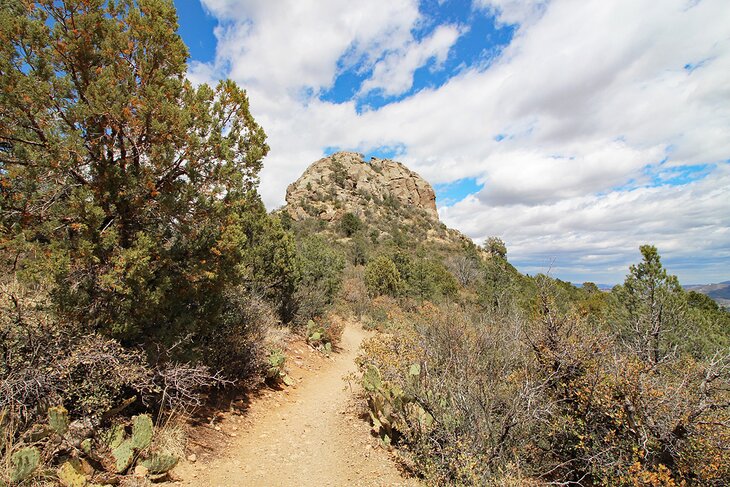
[[142, 432], [71, 474], [123, 455], [160, 463], [58, 420], [113, 437], [24, 462]]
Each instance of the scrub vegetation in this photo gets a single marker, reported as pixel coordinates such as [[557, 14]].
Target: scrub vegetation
[[142, 275]]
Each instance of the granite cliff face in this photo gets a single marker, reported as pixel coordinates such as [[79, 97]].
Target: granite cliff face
[[344, 182], [386, 196]]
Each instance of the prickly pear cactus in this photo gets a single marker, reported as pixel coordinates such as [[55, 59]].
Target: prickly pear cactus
[[123, 455], [277, 369], [160, 463], [371, 379], [113, 437], [414, 370], [58, 420], [24, 462], [388, 403], [71, 474], [142, 432], [86, 446]]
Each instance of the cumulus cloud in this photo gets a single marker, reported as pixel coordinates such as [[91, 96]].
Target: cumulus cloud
[[569, 129], [521, 12], [393, 75], [287, 45], [599, 235]]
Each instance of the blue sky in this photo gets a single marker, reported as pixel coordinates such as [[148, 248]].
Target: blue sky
[[576, 131]]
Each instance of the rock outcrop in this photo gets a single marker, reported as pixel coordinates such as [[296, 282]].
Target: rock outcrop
[[390, 199], [345, 182]]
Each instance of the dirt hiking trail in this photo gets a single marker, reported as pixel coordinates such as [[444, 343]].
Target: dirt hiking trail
[[309, 435]]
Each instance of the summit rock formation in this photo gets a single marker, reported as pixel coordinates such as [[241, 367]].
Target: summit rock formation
[[345, 182], [383, 193]]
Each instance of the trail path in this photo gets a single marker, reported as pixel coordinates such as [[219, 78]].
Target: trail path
[[309, 436]]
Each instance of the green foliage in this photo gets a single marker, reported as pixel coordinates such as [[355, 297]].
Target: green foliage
[[498, 287], [404, 263], [391, 202], [123, 455], [233, 341], [382, 277], [496, 247], [321, 268], [543, 391], [86, 446], [142, 428], [350, 224], [24, 462], [359, 251], [384, 404], [374, 235], [133, 196], [706, 329], [339, 173], [267, 264], [651, 305], [324, 334], [127, 449], [113, 437], [429, 279], [277, 368]]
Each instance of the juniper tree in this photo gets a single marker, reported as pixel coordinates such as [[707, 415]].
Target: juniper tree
[[130, 190]]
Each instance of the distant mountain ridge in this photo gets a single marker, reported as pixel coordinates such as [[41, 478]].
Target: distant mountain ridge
[[720, 291]]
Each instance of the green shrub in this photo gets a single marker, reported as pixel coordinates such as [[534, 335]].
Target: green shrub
[[325, 333], [382, 277], [339, 173], [546, 397], [350, 224], [359, 251], [321, 268], [142, 216]]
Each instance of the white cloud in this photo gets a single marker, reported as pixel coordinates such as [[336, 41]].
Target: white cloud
[[283, 46], [522, 12], [532, 177], [586, 97], [393, 75], [600, 235]]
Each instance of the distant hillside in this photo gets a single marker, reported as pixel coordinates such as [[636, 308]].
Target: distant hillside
[[720, 292]]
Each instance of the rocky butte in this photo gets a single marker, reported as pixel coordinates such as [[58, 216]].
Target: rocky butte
[[383, 193]]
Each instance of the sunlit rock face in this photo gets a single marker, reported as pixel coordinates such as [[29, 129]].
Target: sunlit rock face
[[345, 182]]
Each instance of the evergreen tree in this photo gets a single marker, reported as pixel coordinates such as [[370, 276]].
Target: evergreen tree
[[651, 307], [321, 267], [382, 277], [496, 247], [130, 190], [350, 224]]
